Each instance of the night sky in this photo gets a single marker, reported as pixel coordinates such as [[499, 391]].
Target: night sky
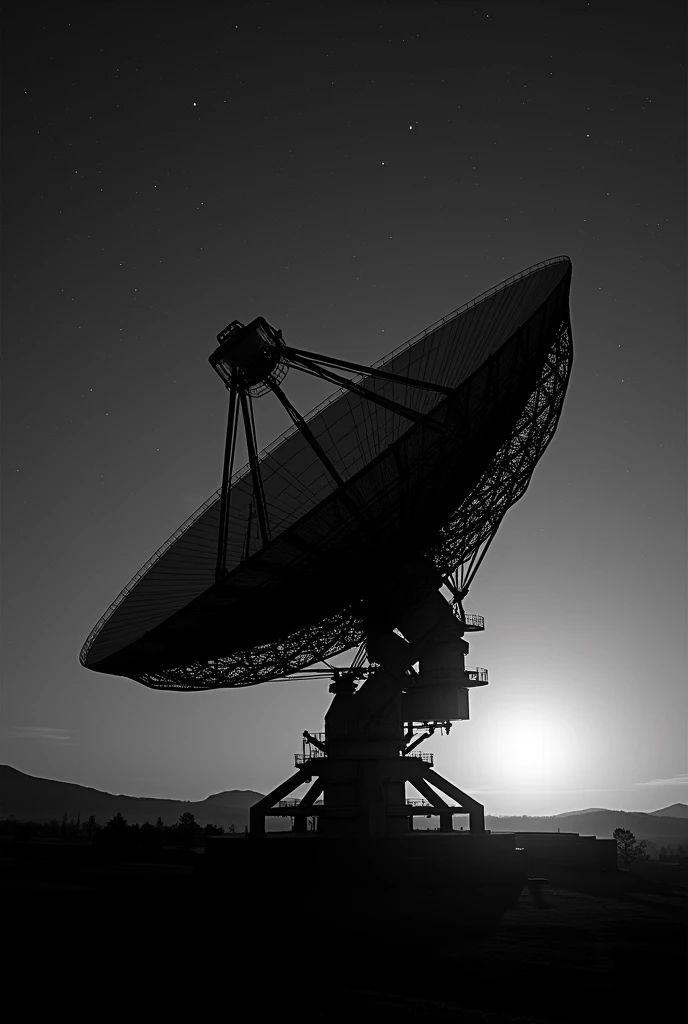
[[352, 172]]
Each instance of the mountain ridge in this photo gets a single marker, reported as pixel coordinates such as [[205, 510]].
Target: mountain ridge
[[31, 798], [677, 811], [582, 810]]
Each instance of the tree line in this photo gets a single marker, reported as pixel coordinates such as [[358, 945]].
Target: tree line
[[116, 832], [631, 850], [187, 832]]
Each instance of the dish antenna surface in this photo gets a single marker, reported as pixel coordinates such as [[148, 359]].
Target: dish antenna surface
[[341, 533]]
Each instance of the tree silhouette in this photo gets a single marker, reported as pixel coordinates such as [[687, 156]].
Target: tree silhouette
[[187, 831], [90, 826], [628, 848], [117, 824]]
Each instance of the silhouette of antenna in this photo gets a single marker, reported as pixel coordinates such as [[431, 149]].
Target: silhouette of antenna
[[342, 533]]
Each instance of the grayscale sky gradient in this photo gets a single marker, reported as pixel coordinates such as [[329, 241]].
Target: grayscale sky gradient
[[352, 172]]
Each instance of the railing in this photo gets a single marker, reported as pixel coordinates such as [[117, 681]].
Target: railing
[[425, 805], [409, 803], [305, 758], [477, 675], [426, 758], [476, 621], [316, 754], [296, 803], [470, 620]]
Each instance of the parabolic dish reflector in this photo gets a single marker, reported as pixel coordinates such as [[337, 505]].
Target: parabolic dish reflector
[[437, 488]]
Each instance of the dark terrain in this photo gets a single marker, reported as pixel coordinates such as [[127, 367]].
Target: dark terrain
[[161, 939], [152, 933]]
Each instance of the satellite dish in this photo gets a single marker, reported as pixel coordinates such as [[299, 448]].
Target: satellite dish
[[343, 532], [418, 457]]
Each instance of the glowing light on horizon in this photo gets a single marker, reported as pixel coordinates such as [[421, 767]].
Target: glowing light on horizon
[[530, 749]]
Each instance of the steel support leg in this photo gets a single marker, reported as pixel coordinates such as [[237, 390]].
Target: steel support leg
[[258, 811]]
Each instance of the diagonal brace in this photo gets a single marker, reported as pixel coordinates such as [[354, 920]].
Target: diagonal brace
[[258, 810], [230, 448], [400, 410], [310, 437], [258, 492], [370, 370], [437, 802], [476, 811]]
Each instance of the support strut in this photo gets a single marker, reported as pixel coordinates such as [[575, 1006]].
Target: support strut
[[343, 382], [230, 448], [372, 371], [310, 437], [258, 492], [300, 422]]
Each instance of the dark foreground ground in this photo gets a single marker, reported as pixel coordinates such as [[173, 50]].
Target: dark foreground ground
[[158, 940]]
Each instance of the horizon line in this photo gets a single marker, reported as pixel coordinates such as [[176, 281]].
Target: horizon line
[[512, 814]]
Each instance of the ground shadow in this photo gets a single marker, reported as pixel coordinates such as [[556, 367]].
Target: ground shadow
[[591, 952]]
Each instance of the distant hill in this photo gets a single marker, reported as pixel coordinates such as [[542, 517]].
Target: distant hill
[[33, 799], [654, 827], [673, 811], [586, 810]]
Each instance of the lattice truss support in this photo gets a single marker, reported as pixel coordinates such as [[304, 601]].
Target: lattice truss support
[[459, 549], [401, 769], [471, 529]]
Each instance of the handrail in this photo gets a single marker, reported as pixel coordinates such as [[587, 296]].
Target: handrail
[[470, 619], [296, 803], [426, 758], [305, 758], [479, 674]]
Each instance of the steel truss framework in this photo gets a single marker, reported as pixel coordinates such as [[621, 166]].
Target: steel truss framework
[[241, 394], [458, 548], [413, 769]]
